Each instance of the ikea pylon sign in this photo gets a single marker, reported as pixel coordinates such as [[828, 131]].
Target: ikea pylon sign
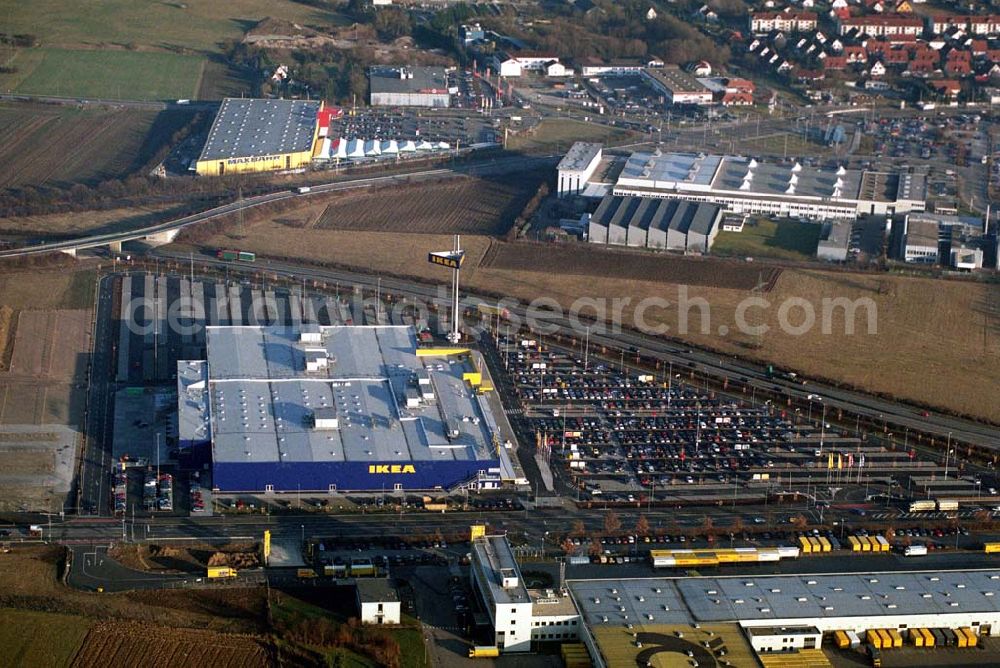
[[450, 259]]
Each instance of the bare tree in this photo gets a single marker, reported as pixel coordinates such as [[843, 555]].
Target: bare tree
[[578, 528], [568, 547], [642, 526], [595, 548], [612, 523]]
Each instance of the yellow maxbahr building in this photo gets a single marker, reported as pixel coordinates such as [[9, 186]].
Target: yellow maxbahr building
[[260, 136]]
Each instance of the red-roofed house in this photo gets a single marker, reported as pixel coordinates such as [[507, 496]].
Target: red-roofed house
[[975, 25], [789, 20], [891, 26], [921, 67], [855, 54], [958, 63], [948, 87], [740, 99], [895, 57], [835, 63]]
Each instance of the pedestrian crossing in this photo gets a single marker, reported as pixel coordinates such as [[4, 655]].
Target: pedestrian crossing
[[514, 411]]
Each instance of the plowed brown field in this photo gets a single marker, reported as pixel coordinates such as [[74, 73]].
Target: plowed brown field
[[59, 145], [457, 206], [133, 644]]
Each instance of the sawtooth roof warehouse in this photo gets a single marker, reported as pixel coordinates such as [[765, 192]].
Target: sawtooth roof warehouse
[[336, 409], [748, 186]]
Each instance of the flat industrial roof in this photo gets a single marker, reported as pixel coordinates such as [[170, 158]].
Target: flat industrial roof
[[677, 80], [749, 598], [263, 401], [497, 559], [407, 79], [192, 401], [835, 236], [579, 156], [246, 128]]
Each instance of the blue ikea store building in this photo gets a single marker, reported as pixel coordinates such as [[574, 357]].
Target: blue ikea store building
[[338, 408]]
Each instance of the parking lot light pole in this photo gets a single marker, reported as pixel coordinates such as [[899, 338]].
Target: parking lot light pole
[[947, 453]]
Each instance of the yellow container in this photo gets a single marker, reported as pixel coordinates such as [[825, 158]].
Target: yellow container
[[816, 546], [843, 642], [897, 640], [916, 637], [874, 638], [865, 545], [886, 638], [805, 544], [928, 637], [855, 543], [825, 544]]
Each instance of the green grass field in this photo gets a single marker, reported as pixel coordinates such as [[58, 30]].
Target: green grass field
[[557, 135], [40, 638], [287, 608], [785, 239], [112, 75], [198, 25]]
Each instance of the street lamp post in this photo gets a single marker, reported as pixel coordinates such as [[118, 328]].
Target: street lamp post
[[947, 453]]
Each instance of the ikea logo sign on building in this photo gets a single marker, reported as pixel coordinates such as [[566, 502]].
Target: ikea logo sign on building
[[391, 468]]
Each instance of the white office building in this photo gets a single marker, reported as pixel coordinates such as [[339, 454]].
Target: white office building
[[577, 166], [378, 601], [519, 616]]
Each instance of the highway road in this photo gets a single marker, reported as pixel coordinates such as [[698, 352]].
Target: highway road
[[95, 467], [535, 522], [895, 416]]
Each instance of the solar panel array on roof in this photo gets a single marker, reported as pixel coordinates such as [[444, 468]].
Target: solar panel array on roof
[[246, 128]]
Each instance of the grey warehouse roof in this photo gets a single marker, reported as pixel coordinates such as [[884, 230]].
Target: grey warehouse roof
[[579, 156], [497, 559], [372, 590], [251, 127], [746, 177], [656, 214], [756, 599], [406, 79], [263, 400]]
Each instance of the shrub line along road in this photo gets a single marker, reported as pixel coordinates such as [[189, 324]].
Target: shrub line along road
[[893, 414]]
